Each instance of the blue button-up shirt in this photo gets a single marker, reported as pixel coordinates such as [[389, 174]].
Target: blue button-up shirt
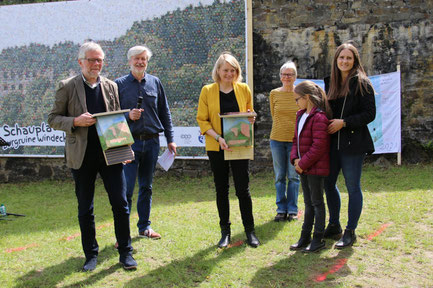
[[156, 116]]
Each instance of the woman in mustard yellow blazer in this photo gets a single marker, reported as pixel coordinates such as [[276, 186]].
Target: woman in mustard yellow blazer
[[227, 94]]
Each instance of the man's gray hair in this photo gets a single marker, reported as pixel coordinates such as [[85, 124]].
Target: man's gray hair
[[136, 50], [289, 65], [89, 46]]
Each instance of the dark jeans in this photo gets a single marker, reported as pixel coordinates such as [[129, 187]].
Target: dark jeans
[[114, 184], [146, 156], [351, 165], [240, 172], [312, 187]]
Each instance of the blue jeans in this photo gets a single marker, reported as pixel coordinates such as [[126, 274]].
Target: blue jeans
[[351, 165], [146, 155], [287, 200]]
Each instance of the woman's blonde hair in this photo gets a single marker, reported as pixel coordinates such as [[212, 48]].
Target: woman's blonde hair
[[226, 57]]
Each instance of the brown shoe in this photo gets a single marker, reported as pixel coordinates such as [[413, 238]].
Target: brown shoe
[[292, 217], [149, 234]]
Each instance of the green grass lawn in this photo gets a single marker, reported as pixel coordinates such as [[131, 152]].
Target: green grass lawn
[[394, 247]]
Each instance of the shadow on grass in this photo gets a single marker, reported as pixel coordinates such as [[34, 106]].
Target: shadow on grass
[[53, 275], [191, 271], [304, 269]]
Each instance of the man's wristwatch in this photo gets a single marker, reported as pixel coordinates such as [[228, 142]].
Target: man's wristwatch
[[217, 137], [344, 123]]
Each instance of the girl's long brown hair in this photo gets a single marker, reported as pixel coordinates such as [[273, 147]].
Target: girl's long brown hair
[[317, 96], [338, 87]]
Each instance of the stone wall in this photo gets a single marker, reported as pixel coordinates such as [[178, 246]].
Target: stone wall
[[387, 33], [19, 169]]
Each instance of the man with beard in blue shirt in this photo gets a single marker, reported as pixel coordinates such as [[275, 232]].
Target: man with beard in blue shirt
[[146, 122]]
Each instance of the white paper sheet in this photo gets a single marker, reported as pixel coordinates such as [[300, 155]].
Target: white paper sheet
[[166, 159]]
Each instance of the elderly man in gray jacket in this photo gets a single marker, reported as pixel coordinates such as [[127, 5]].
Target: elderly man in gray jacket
[[77, 98]]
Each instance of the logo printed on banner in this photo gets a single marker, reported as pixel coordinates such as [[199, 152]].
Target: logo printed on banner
[[201, 138], [186, 138]]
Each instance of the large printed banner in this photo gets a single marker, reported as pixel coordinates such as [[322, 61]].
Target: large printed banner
[[386, 128], [39, 46]]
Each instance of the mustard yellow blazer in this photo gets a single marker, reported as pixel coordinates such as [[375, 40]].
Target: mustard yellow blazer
[[209, 108]]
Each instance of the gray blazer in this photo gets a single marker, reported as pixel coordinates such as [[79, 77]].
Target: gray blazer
[[70, 102]]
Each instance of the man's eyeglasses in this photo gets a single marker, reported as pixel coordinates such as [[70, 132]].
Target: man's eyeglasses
[[297, 99], [94, 60], [287, 75]]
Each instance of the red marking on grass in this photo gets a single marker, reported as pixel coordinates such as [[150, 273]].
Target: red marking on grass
[[300, 212], [67, 238], [10, 250], [236, 244], [340, 263], [103, 226], [378, 231]]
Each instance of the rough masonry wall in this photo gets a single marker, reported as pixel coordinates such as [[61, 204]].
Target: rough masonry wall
[[387, 33]]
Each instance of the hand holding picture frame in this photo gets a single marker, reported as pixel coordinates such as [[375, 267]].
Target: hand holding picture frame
[[238, 133]]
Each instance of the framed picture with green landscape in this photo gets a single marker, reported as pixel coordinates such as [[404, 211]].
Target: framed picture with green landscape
[[238, 132], [115, 137]]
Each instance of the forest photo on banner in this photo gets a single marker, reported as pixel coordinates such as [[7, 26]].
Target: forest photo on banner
[[40, 43]]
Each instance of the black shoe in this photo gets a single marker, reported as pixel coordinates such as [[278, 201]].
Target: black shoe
[[292, 217], [317, 244], [225, 239], [280, 217], [333, 231], [127, 261], [252, 239], [90, 264], [347, 240], [303, 241]]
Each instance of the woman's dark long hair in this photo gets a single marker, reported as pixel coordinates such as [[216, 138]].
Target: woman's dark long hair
[[317, 96], [338, 87]]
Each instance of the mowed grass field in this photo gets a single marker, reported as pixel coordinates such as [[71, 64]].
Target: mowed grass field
[[394, 247]]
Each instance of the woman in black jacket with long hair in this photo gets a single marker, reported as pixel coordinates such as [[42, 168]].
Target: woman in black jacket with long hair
[[351, 97]]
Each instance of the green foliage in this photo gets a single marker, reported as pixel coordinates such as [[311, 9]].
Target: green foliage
[[184, 212], [429, 146]]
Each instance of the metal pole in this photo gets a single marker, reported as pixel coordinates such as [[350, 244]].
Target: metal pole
[[399, 153]]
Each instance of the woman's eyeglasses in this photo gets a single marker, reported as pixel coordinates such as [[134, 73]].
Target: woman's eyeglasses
[[297, 99], [287, 75]]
